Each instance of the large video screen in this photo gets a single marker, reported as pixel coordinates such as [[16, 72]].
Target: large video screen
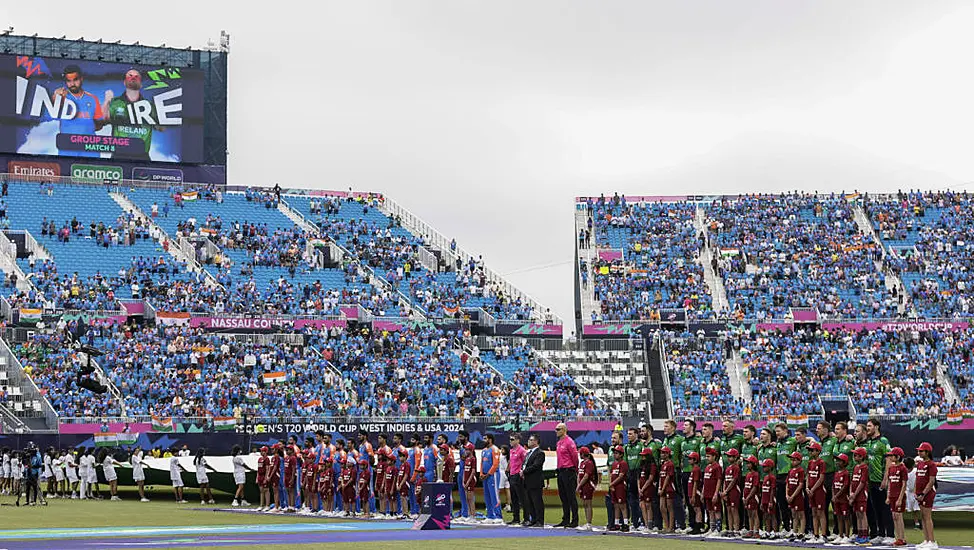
[[83, 108]]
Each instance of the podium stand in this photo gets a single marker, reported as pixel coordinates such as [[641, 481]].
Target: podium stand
[[435, 507]]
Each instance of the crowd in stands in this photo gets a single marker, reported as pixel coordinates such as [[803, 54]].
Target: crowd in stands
[[931, 236], [882, 372], [545, 388], [50, 359], [178, 370], [126, 231], [698, 377], [658, 268], [798, 251]]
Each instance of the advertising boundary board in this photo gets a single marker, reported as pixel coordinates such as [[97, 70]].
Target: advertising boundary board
[[905, 434], [48, 168]]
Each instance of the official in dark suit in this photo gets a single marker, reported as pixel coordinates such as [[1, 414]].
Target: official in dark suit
[[533, 474]]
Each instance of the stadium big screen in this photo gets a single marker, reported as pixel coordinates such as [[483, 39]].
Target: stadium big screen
[[82, 108]]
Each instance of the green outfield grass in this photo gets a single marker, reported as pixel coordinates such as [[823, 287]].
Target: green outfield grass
[[953, 528]]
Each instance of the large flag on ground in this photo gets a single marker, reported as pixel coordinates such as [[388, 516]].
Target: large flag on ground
[[224, 423], [106, 440], [162, 424], [127, 438]]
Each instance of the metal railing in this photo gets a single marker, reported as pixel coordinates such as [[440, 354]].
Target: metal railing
[[19, 378], [434, 238], [403, 299], [665, 373]]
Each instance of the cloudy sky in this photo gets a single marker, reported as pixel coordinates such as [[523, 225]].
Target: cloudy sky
[[487, 118]]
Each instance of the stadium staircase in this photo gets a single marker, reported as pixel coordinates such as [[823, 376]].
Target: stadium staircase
[[893, 281], [180, 249], [740, 383], [460, 347], [8, 264], [944, 380], [714, 282], [23, 398], [589, 303], [443, 252], [9, 423], [297, 216], [661, 398]]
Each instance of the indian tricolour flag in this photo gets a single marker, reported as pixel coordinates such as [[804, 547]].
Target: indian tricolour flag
[[222, 423], [851, 196], [106, 440], [729, 252], [275, 377], [190, 195], [797, 421], [311, 404], [30, 316], [162, 424], [127, 439], [251, 395], [968, 413], [955, 418]]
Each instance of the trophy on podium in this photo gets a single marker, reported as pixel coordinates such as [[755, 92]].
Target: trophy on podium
[[440, 464]]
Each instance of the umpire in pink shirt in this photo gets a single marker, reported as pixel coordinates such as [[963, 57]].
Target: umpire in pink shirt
[[567, 471], [514, 464]]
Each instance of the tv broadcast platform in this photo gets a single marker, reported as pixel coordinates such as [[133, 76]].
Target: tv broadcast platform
[[321, 366]]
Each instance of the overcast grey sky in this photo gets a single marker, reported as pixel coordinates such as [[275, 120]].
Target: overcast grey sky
[[487, 118]]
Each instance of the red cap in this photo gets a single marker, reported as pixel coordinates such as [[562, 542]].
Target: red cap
[[752, 459], [694, 455], [264, 449], [814, 446], [469, 446], [618, 449], [733, 452], [843, 457], [711, 451], [795, 455], [363, 461], [646, 452], [584, 451], [896, 451], [767, 463], [665, 450], [859, 451], [925, 447], [445, 447], [421, 468]]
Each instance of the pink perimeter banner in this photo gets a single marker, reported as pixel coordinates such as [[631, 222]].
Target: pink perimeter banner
[[591, 425], [609, 329], [539, 330], [262, 323], [610, 255], [94, 428], [899, 325], [136, 307]]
